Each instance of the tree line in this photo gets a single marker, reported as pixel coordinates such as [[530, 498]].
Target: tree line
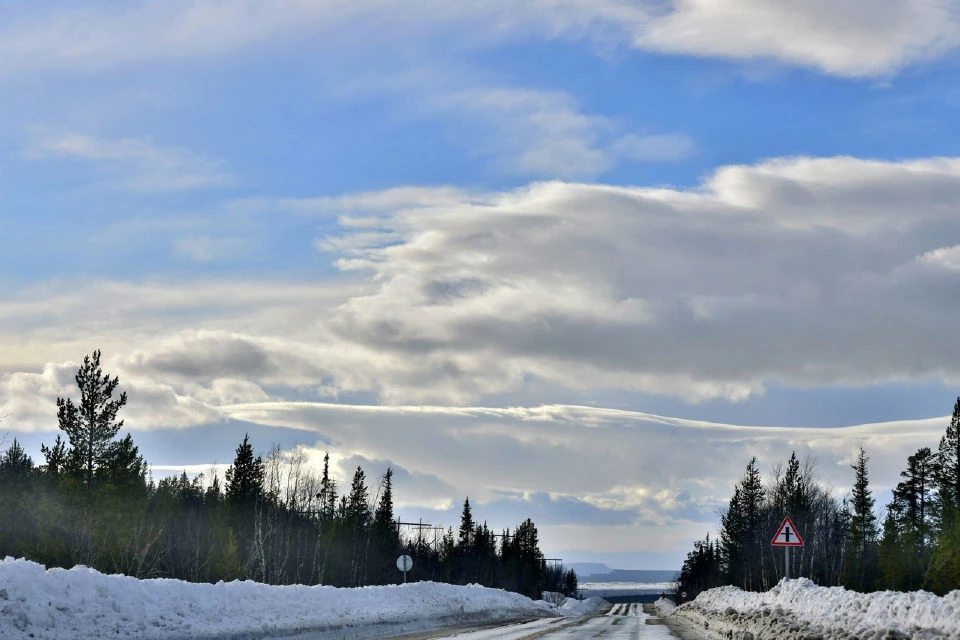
[[913, 544], [270, 519]]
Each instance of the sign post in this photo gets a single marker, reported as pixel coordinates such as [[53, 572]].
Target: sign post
[[404, 563], [787, 536]]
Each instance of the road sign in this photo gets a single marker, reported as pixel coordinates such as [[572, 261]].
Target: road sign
[[404, 563], [787, 535]]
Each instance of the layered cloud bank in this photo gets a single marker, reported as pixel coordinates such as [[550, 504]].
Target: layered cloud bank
[[794, 271]]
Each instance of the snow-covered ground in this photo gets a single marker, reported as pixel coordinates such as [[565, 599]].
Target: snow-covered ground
[[82, 603], [797, 609]]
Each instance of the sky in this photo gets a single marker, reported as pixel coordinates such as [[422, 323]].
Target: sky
[[577, 260]]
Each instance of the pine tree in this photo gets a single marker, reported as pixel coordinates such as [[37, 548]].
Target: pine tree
[[91, 425], [15, 463], [947, 474], [245, 476], [860, 561], [328, 492], [123, 465], [56, 457], [906, 549], [358, 501], [944, 572], [465, 535], [383, 516]]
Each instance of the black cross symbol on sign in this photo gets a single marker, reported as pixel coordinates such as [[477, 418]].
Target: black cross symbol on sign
[[786, 533]]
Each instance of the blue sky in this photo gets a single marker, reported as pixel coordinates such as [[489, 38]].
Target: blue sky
[[574, 259]]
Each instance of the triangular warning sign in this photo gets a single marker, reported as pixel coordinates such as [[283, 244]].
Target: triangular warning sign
[[787, 535]]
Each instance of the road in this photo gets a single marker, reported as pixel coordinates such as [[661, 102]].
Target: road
[[622, 622]]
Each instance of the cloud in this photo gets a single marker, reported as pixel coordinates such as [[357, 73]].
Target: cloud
[[611, 476], [546, 133], [793, 272], [775, 272], [147, 166], [855, 38]]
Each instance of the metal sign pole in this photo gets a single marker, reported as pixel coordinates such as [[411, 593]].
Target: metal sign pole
[[786, 554]]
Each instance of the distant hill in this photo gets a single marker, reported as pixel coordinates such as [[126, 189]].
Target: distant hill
[[597, 572], [589, 569]]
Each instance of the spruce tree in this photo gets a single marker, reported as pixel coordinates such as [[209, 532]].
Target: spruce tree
[[860, 561], [383, 516], [328, 492], [465, 535], [56, 457], [15, 463], [948, 472], [91, 425], [245, 476], [358, 501]]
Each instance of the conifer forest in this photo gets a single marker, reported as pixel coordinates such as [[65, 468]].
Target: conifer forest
[[91, 501], [913, 543]]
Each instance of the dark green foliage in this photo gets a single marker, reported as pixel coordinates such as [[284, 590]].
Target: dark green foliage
[[702, 569], [245, 476], [860, 565], [91, 503], [918, 546], [91, 425], [466, 526], [744, 557]]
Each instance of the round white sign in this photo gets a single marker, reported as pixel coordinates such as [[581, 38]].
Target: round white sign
[[404, 563]]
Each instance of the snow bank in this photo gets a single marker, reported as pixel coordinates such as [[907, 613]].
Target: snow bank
[[585, 607], [796, 609], [664, 606], [82, 603]]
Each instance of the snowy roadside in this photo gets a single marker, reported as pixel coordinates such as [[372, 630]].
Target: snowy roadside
[[799, 609], [59, 604]]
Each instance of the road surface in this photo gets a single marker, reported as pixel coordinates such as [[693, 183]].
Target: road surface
[[621, 622]]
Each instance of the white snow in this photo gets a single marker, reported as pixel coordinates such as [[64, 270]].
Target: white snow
[[801, 609], [664, 606], [55, 604]]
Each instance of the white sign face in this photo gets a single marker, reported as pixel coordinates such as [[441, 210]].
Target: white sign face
[[404, 563], [787, 535]]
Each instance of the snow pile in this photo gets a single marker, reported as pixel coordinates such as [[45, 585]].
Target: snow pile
[[797, 609], [585, 607], [83, 603], [664, 606]]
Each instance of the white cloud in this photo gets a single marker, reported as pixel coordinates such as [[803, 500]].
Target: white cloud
[[144, 165], [847, 38], [546, 133], [794, 271]]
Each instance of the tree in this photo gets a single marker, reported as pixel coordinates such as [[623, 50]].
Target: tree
[[245, 476], [123, 465], [947, 475], [15, 463], [383, 516], [860, 561], [91, 425], [465, 535], [56, 457], [328, 492], [741, 533], [908, 530]]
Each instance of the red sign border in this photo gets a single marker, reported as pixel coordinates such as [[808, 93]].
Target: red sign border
[[786, 521]]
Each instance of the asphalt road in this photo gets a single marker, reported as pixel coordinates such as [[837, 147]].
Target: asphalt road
[[621, 622]]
